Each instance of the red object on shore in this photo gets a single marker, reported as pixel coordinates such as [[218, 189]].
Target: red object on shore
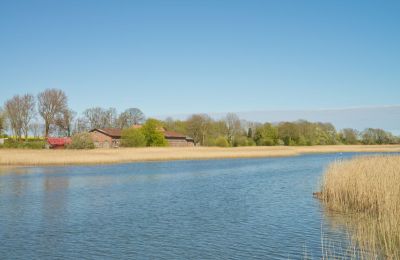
[[58, 142]]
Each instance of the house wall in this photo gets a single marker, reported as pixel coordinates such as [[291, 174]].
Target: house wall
[[179, 142], [101, 140]]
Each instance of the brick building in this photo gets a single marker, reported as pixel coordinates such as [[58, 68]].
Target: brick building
[[106, 137], [111, 138]]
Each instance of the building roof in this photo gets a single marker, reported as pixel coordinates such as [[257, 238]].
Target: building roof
[[116, 133], [59, 140], [172, 134], [112, 132]]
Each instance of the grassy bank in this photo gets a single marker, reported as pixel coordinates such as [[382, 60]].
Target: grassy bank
[[24, 157], [367, 189]]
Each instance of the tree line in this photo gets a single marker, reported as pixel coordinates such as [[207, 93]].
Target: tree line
[[232, 131], [49, 114]]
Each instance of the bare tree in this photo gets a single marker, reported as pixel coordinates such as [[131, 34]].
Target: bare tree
[[64, 122], [98, 117], [80, 125], [52, 102], [233, 125], [36, 129], [27, 112], [20, 110], [131, 116]]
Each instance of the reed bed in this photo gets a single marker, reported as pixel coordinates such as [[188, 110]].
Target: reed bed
[[367, 191], [26, 157]]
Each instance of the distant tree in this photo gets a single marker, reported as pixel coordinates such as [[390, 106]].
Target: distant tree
[[233, 125], [266, 134], [52, 103], [349, 136], [98, 117], [131, 137], [198, 127], [175, 125], [326, 133], [377, 136], [152, 131], [131, 116], [80, 125], [289, 133], [28, 112], [2, 122], [20, 110], [36, 129], [250, 133], [64, 122]]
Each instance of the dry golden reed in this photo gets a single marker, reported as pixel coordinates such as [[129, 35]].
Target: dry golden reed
[[22, 157], [367, 189]]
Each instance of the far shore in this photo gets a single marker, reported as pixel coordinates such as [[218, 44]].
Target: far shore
[[25, 157]]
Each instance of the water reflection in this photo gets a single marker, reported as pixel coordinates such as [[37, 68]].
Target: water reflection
[[370, 237]]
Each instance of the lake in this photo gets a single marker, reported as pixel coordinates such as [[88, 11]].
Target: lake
[[213, 209]]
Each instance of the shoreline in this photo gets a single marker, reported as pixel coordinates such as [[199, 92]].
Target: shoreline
[[27, 157]]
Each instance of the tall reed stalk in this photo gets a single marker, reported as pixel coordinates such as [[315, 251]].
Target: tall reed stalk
[[367, 189]]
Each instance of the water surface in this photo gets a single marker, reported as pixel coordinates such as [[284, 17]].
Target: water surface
[[214, 209]]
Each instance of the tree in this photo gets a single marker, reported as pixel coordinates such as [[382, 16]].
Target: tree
[[2, 121], [80, 125], [52, 102], [349, 136], [152, 131], [20, 110], [198, 126], [131, 116], [233, 126], [133, 137], [175, 125], [27, 112], [36, 129], [266, 134], [289, 133], [98, 117], [64, 121], [377, 136]]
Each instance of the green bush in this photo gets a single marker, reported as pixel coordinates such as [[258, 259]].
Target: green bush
[[152, 133], [81, 141], [34, 144], [240, 141], [250, 142], [132, 137], [266, 141], [221, 142]]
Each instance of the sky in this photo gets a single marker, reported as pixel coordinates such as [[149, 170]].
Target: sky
[[182, 57]]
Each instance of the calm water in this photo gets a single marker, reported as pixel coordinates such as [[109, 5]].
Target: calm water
[[217, 209]]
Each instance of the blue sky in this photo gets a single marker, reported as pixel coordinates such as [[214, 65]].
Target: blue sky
[[174, 57]]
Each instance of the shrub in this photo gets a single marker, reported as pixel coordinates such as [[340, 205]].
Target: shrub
[[221, 142], [132, 137], [152, 133], [81, 141], [240, 141], [266, 141], [250, 142], [34, 144]]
